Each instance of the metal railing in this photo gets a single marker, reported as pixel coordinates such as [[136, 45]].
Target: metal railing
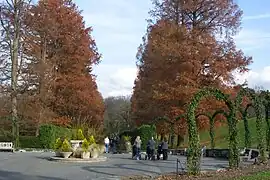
[[179, 163]]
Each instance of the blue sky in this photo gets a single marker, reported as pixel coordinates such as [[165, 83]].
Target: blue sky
[[120, 24]]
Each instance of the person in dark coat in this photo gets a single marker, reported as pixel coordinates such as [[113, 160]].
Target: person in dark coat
[[151, 148], [165, 148], [159, 151]]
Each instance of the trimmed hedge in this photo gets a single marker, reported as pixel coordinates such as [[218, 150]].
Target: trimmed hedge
[[146, 132], [29, 142], [25, 141], [49, 133]]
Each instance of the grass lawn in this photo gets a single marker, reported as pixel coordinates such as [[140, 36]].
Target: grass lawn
[[258, 176], [222, 135]]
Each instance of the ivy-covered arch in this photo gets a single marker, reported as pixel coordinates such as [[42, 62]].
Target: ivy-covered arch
[[212, 124], [194, 153], [244, 113], [257, 103], [265, 95]]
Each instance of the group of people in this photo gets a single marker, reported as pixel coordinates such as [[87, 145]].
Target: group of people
[[150, 150], [136, 150]]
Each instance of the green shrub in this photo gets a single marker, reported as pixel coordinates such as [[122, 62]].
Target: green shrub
[[29, 142], [80, 135], [146, 132], [92, 140], [61, 132], [58, 144], [85, 145], [47, 136], [25, 141], [49, 133], [66, 147]]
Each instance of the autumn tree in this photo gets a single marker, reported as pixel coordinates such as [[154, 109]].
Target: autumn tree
[[188, 46], [61, 53]]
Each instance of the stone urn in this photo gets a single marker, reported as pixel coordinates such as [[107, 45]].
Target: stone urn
[[65, 154], [85, 155], [94, 153], [75, 144], [57, 154]]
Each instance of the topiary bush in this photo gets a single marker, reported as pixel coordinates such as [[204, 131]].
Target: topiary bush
[[66, 147], [58, 144], [92, 140], [80, 135], [85, 145]]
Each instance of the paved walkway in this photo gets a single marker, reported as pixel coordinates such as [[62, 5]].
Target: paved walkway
[[30, 166]]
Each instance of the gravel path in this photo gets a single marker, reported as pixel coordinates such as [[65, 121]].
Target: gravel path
[[36, 166]]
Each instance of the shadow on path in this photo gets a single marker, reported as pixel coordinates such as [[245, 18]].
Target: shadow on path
[[8, 175], [118, 170]]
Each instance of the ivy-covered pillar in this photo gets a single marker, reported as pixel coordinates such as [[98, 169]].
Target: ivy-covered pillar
[[260, 129], [234, 157], [194, 151], [212, 132], [244, 114]]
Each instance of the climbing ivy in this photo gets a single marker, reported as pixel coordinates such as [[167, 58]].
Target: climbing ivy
[[257, 102], [244, 114], [194, 153], [266, 102], [212, 124]]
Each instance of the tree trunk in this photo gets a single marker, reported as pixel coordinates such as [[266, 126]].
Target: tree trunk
[[14, 72], [42, 90]]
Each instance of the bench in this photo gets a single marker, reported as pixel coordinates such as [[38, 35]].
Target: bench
[[250, 155], [6, 146]]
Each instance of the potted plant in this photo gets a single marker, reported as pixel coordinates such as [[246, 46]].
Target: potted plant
[[85, 150], [57, 147], [66, 150], [77, 139]]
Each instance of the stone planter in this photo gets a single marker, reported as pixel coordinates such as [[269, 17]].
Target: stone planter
[[65, 154], [75, 144], [94, 153], [57, 154], [85, 155]]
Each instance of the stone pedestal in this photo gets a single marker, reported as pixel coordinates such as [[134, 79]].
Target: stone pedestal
[[75, 144]]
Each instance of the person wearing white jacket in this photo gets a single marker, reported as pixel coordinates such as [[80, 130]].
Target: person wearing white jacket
[[106, 141]]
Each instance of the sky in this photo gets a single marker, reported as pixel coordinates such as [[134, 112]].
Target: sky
[[119, 25]]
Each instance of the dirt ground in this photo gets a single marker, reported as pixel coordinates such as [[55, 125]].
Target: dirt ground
[[221, 175]]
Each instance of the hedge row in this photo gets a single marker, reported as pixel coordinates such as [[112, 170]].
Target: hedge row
[[25, 141], [146, 132], [49, 133]]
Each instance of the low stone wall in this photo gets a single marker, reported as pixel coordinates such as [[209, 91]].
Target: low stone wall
[[217, 153]]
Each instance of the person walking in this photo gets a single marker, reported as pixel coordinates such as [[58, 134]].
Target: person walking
[[165, 149], [138, 143], [151, 148], [107, 142]]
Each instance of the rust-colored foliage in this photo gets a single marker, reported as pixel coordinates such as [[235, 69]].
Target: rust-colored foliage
[[181, 54], [61, 53]]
